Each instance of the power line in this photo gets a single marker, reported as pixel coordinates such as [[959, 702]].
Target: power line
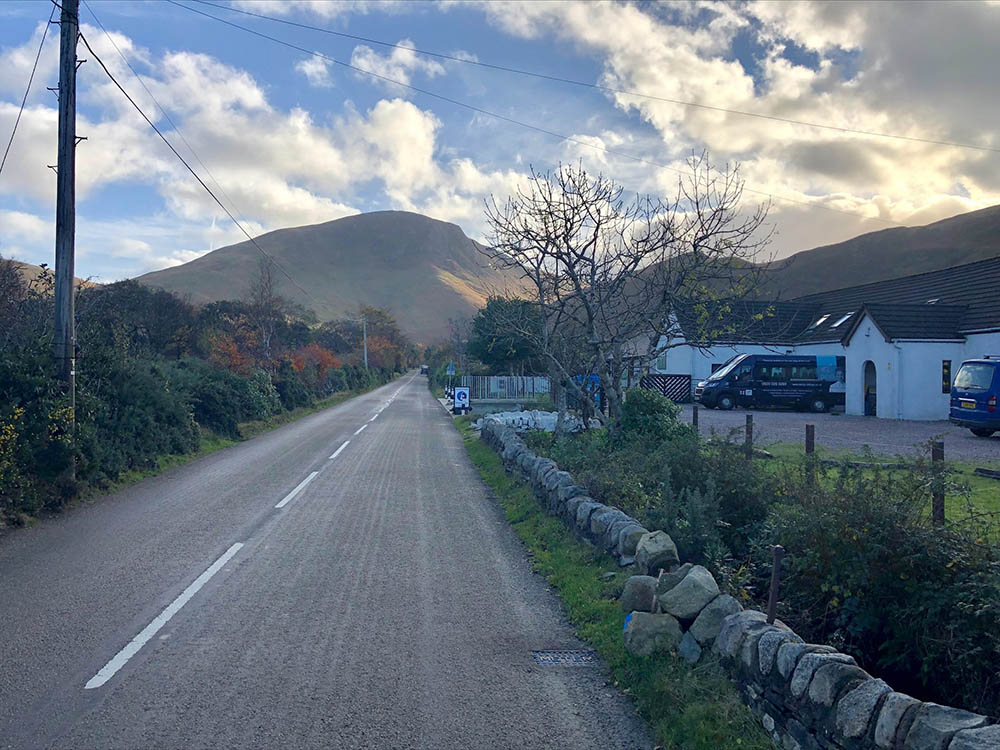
[[163, 111], [189, 167], [504, 118], [27, 89], [599, 87]]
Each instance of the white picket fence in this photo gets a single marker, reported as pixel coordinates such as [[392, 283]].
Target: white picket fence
[[505, 387]]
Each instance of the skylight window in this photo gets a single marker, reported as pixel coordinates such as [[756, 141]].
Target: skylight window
[[819, 322], [843, 319]]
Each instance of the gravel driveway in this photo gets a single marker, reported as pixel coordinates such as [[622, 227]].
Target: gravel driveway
[[843, 432]]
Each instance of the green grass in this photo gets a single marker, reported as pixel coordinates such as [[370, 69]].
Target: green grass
[[984, 493], [696, 708]]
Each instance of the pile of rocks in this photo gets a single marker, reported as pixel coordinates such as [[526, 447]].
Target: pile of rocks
[[523, 421], [807, 697], [681, 608]]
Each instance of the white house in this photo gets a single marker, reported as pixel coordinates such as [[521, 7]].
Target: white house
[[903, 339]]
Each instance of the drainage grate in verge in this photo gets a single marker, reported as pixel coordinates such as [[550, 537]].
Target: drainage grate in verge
[[577, 658]]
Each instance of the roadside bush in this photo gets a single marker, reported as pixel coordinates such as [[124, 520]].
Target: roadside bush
[[868, 572]]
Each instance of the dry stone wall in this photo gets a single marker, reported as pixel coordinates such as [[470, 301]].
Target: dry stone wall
[[807, 696]]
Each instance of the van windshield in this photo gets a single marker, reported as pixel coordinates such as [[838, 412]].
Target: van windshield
[[723, 371], [975, 375]]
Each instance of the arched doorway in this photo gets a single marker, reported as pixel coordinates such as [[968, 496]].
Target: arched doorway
[[871, 400]]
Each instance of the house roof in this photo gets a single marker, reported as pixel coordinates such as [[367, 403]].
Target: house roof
[[912, 321], [974, 286]]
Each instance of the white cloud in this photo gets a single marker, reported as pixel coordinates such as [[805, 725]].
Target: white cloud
[[921, 69], [399, 66], [316, 70]]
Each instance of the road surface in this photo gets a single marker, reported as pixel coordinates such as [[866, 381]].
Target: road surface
[[342, 582]]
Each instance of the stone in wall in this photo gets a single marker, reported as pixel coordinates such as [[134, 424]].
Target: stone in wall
[[639, 594], [709, 621], [686, 600], [655, 550], [647, 634]]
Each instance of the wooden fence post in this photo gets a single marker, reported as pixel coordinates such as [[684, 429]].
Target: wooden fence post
[[772, 597], [694, 416], [749, 436], [937, 508]]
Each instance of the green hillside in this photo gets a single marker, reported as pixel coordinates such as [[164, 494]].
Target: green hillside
[[890, 254], [423, 270]]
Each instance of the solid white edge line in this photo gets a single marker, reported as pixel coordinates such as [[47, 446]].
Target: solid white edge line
[[288, 498], [337, 452], [132, 648], [360, 429]]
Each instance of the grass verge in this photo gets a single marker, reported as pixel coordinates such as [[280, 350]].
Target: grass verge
[[689, 708]]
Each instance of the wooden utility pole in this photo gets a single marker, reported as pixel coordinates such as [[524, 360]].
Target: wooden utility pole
[[64, 341]]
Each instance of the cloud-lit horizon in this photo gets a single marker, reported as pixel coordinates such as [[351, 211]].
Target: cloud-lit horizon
[[291, 139]]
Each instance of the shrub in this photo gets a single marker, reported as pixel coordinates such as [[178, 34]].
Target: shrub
[[867, 571]]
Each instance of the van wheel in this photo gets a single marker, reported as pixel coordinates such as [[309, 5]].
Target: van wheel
[[818, 405], [980, 432], [725, 402]]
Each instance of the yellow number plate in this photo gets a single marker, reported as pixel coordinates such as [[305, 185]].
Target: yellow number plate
[[968, 404]]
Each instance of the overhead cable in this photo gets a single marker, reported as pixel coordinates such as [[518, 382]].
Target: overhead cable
[[600, 87], [188, 166], [511, 120], [27, 89]]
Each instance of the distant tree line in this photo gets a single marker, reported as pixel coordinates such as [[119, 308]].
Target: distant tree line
[[157, 374]]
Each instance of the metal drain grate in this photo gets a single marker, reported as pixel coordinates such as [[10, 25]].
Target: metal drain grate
[[577, 658]]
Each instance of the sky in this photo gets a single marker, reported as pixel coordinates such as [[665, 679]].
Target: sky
[[285, 137]]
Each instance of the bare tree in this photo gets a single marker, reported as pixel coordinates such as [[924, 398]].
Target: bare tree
[[263, 305], [622, 280]]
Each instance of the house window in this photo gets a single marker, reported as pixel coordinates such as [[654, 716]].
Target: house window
[[661, 363], [842, 320], [945, 376]]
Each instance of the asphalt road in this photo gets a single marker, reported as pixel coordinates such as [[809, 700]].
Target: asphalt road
[[386, 604]]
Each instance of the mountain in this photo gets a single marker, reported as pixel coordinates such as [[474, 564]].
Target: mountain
[[889, 254], [425, 271], [30, 272]]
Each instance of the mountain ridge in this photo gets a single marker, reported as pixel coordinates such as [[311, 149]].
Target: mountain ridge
[[424, 270]]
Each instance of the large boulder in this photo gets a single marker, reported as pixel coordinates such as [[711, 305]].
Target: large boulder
[[689, 597], [707, 624], [671, 579], [628, 539], [639, 594], [655, 550], [647, 634]]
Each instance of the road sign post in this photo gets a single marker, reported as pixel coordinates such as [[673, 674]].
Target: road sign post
[[462, 404]]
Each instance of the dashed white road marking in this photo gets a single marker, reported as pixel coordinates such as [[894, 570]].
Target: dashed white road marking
[[337, 452], [288, 498], [132, 648], [376, 415], [360, 429]]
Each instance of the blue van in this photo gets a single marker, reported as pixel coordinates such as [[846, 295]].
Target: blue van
[[813, 383], [974, 396]]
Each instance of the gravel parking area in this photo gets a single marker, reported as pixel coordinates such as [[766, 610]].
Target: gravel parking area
[[849, 433]]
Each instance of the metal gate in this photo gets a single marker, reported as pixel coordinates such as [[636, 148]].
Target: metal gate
[[675, 387]]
